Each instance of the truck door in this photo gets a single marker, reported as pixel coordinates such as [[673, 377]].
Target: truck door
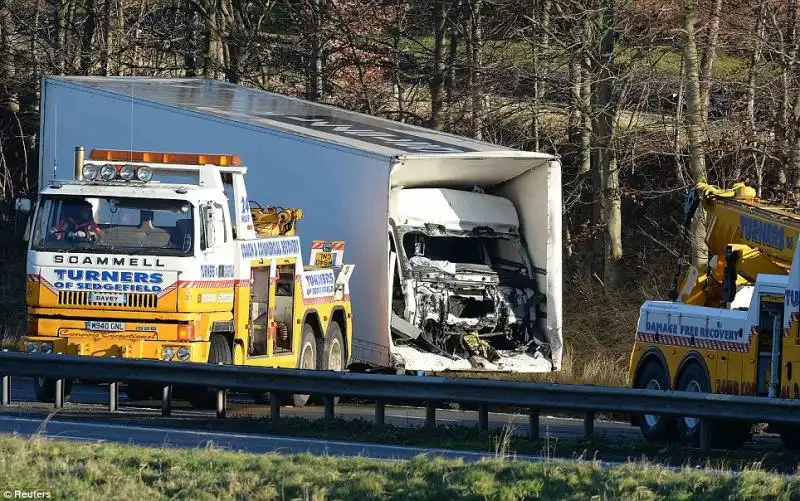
[[770, 308]]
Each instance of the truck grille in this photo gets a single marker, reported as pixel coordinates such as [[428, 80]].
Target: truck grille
[[132, 300]]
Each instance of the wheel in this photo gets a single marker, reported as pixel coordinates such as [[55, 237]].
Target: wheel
[[693, 379], [655, 428], [306, 360], [45, 389], [219, 353], [333, 351]]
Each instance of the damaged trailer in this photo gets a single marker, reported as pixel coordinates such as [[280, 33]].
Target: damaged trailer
[[470, 275]]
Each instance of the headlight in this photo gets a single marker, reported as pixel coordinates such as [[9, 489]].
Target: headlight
[[108, 172], [184, 353], [144, 174], [90, 172], [126, 172], [47, 347], [167, 353], [31, 347]]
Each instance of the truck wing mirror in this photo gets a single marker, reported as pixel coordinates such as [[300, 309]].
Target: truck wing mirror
[[22, 212], [208, 216]]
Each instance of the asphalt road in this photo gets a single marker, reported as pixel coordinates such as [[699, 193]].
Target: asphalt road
[[86, 418], [89, 398], [151, 436]]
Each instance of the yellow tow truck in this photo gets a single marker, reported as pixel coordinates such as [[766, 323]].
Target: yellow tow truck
[[126, 261], [731, 327]]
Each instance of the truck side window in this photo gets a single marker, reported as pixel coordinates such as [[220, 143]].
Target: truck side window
[[203, 245]]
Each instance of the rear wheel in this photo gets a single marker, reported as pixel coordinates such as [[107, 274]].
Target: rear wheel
[[219, 353], [307, 360], [45, 389], [333, 351], [655, 428], [693, 379]]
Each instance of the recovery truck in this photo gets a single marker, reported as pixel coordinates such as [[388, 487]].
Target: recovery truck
[[730, 328], [121, 264]]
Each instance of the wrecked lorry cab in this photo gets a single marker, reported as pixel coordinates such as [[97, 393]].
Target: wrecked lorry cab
[[474, 229], [464, 277]]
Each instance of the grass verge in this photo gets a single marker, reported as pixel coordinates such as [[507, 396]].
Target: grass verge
[[502, 442], [104, 471]]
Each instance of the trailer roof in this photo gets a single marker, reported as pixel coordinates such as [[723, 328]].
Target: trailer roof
[[295, 116]]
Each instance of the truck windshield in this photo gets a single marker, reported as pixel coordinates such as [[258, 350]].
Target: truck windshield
[[114, 225], [499, 252]]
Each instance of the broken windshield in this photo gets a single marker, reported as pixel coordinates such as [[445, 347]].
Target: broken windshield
[[503, 252], [114, 225]]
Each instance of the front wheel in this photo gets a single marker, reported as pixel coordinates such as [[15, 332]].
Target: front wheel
[[45, 389], [219, 353], [655, 428]]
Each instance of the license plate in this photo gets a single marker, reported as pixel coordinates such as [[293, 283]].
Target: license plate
[[106, 297], [105, 326], [323, 259]]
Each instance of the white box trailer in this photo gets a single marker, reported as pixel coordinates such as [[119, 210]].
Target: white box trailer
[[470, 275]]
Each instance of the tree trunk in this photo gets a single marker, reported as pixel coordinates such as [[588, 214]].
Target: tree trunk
[[316, 82], [707, 58], [452, 54], [105, 51], [476, 68], [89, 27], [436, 81], [576, 105], [611, 204], [210, 62], [61, 28], [694, 124], [190, 51], [586, 106]]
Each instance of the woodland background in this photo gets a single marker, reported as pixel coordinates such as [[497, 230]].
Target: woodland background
[[640, 98]]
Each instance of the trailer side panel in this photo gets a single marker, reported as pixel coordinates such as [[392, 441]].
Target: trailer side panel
[[342, 191]]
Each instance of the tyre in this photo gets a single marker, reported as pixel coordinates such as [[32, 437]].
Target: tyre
[[219, 353], [45, 389], [694, 379], [333, 351], [307, 359], [655, 428]]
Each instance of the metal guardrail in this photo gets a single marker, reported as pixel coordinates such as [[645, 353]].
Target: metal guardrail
[[382, 388]]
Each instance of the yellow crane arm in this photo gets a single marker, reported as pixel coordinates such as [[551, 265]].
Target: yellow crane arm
[[762, 235], [736, 216]]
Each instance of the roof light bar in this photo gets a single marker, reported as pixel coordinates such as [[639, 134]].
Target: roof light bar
[[165, 157]]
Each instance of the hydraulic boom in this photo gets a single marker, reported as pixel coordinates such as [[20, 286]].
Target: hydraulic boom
[[745, 237]]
